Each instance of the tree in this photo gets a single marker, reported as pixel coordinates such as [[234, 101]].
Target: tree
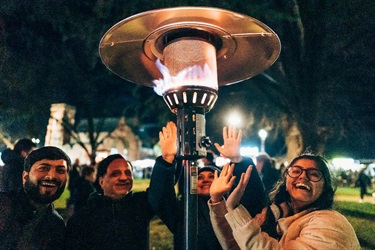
[[316, 69], [317, 93], [51, 56]]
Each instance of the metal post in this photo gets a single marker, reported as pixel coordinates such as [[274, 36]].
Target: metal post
[[191, 146], [262, 144], [190, 206]]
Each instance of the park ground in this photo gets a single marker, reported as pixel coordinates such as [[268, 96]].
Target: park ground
[[360, 215]]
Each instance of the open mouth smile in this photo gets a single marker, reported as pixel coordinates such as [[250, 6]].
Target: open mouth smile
[[48, 184], [302, 186]]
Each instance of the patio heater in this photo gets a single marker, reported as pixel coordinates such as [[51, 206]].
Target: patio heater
[[185, 53]]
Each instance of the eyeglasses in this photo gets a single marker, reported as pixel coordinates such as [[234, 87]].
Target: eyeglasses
[[312, 174]]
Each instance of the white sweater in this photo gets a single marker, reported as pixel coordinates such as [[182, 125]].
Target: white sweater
[[320, 229]]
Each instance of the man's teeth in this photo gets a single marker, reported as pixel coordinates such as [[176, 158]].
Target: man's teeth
[[49, 184], [303, 186]]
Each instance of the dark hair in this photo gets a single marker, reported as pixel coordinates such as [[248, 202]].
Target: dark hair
[[23, 144], [267, 162], [103, 165], [49, 153], [325, 201], [86, 171], [210, 169]]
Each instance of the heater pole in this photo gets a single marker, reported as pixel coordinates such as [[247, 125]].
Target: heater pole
[[191, 146], [190, 205]]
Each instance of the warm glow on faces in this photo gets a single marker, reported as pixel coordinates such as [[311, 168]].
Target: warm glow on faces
[[118, 180], [205, 180], [46, 180], [303, 191]]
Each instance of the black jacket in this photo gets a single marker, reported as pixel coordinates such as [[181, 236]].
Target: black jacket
[[82, 193], [24, 227], [111, 224], [12, 171]]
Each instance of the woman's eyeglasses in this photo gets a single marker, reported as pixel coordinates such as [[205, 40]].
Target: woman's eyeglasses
[[312, 174]]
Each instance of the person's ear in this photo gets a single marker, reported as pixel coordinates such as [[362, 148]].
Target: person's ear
[[25, 176], [101, 180]]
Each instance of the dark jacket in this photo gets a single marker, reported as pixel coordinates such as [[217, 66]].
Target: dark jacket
[[82, 193], [12, 171], [111, 224], [270, 176], [363, 180], [162, 192], [254, 197], [24, 227]]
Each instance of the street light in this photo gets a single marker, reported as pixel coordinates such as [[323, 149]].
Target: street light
[[185, 53], [234, 119], [263, 135]]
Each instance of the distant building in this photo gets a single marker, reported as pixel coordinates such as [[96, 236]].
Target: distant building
[[56, 134], [117, 136]]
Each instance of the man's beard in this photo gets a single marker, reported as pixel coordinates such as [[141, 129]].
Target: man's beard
[[34, 194]]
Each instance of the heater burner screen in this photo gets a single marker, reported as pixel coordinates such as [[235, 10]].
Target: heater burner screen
[[193, 59]]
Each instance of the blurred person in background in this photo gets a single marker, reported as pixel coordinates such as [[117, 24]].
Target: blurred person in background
[[84, 187], [14, 160], [267, 172], [363, 181], [74, 174]]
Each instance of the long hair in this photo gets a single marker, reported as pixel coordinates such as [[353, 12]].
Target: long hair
[[279, 194]]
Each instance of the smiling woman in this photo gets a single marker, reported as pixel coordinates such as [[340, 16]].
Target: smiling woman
[[304, 183], [299, 217]]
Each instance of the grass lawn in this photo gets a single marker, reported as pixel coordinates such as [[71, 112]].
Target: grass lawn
[[360, 215]]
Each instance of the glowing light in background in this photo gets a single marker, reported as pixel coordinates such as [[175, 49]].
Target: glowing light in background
[[346, 164], [249, 151], [234, 119]]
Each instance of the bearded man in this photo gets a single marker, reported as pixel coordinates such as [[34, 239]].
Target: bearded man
[[27, 217]]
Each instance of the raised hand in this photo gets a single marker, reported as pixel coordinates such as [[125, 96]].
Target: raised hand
[[168, 142], [232, 144], [235, 197], [222, 184]]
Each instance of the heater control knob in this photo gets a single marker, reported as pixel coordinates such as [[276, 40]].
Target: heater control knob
[[206, 141]]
